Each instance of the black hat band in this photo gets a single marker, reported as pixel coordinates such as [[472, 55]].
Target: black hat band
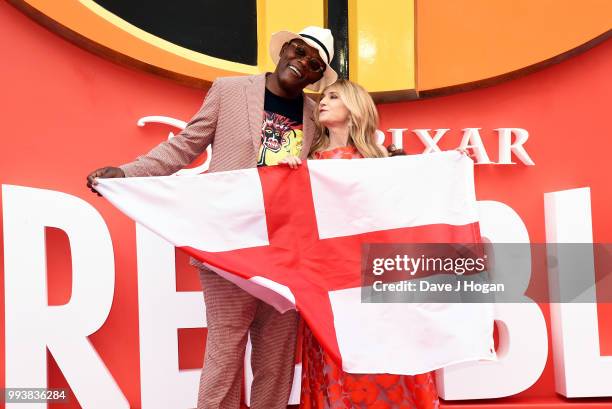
[[316, 40]]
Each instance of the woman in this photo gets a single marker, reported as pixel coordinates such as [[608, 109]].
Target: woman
[[346, 121]]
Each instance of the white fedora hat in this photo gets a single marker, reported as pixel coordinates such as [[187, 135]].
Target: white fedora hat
[[316, 37]]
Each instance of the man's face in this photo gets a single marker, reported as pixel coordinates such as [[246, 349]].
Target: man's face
[[299, 65]]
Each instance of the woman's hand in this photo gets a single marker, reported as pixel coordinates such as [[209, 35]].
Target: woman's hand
[[395, 151], [292, 161], [467, 153]]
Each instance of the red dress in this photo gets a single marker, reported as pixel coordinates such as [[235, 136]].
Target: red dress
[[326, 386]]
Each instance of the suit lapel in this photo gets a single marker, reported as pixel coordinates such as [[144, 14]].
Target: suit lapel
[[308, 126], [255, 92]]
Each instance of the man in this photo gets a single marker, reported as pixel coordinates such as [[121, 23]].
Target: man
[[250, 121]]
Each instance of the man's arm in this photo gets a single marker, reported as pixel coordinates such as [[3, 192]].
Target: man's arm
[[174, 154], [179, 151]]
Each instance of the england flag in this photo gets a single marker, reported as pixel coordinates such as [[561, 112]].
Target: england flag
[[294, 239]]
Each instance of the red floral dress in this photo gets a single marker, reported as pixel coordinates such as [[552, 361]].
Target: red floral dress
[[343, 152], [326, 386]]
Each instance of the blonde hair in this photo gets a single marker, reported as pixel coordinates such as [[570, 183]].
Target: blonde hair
[[363, 120]]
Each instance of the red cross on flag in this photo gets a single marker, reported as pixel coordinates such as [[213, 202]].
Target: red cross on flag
[[294, 239]]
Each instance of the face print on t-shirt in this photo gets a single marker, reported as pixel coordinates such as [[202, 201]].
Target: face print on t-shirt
[[280, 137]]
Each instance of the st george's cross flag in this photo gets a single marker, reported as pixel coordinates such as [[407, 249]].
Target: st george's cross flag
[[294, 239]]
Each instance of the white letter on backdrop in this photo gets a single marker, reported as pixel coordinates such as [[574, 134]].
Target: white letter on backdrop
[[506, 147], [471, 139], [523, 342], [580, 370], [431, 144], [162, 311], [32, 325]]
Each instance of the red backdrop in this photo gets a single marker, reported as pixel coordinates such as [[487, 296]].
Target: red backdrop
[[66, 112]]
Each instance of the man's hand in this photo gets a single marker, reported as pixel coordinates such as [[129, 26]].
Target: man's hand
[[292, 161], [105, 173]]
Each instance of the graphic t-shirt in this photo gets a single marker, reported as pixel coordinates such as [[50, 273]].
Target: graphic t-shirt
[[281, 129]]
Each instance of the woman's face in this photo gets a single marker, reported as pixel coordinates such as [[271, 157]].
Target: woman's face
[[332, 111]]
